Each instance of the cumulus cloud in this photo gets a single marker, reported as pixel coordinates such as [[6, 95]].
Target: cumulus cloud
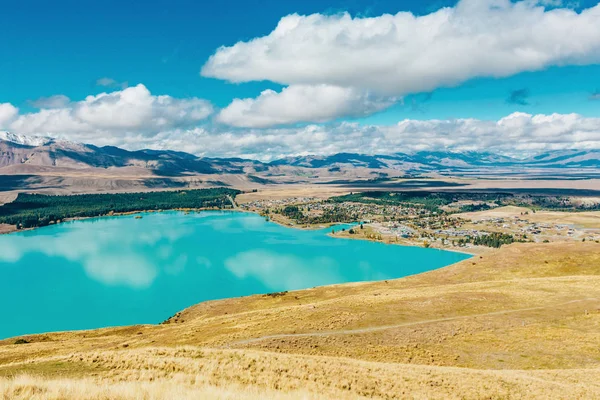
[[135, 119], [399, 54], [517, 133], [301, 103], [7, 113], [56, 101], [130, 113]]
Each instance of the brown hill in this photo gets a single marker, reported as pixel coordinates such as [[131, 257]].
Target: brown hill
[[519, 322]]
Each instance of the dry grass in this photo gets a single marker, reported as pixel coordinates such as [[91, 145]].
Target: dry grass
[[523, 183], [519, 322], [34, 388], [290, 191], [589, 219], [166, 373], [7, 197], [5, 228]]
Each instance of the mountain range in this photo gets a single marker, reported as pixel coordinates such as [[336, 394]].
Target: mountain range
[[39, 155]]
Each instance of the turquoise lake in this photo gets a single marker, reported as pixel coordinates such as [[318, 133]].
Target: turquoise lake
[[116, 271]]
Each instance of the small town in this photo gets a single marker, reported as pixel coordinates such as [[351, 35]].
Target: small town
[[415, 225]]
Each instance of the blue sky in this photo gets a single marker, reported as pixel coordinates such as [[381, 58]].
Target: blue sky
[[162, 44], [64, 47]]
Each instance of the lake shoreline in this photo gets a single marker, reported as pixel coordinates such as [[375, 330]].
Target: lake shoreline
[[404, 243], [162, 262], [9, 229]]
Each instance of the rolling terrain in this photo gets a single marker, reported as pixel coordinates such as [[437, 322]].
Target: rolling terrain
[[58, 167], [522, 321]]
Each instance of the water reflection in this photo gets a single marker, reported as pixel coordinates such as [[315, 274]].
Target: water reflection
[[233, 223], [107, 252], [283, 271]]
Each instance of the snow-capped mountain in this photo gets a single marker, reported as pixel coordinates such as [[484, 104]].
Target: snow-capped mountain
[[19, 150], [447, 160], [23, 140], [23, 152]]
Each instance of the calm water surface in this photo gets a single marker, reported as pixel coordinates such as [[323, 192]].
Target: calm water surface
[[122, 271]]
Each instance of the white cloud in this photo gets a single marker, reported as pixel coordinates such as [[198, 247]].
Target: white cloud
[[56, 101], [135, 119], [7, 113], [403, 53], [301, 103], [130, 113], [514, 134]]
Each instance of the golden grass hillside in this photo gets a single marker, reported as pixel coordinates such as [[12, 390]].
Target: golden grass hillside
[[588, 219], [519, 322]]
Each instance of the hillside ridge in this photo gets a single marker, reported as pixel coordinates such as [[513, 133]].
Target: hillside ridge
[[520, 321]]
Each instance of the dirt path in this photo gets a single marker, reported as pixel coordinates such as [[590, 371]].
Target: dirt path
[[386, 327], [233, 203]]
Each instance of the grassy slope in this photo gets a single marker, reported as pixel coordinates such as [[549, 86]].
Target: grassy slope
[[521, 321], [588, 219]]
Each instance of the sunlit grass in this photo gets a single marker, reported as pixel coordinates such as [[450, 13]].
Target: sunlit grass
[[522, 321]]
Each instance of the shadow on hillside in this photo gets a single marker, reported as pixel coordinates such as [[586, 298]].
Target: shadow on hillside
[[390, 184], [15, 182]]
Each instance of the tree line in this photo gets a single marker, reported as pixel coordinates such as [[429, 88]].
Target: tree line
[[34, 210], [336, 214], [495, 240], [433, 201]]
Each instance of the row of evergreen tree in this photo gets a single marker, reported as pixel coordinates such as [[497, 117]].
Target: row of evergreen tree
[[33, 210], [495, 240], [336, 214]]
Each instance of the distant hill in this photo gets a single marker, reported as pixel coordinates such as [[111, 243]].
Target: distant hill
[[24, 154], [448, 160], [566, 158], [46, 152]]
